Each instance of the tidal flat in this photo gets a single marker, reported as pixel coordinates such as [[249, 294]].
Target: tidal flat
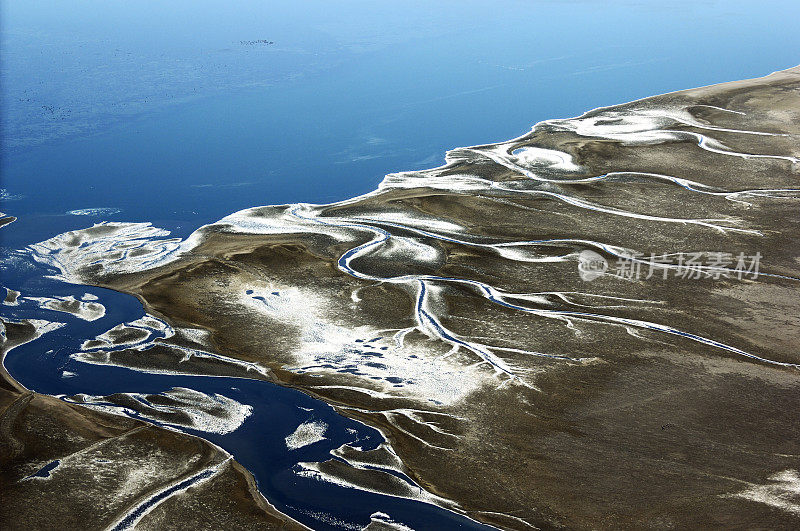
[[447, 309], [64, 466]]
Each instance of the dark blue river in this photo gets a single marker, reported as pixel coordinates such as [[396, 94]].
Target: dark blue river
[[259, 444]]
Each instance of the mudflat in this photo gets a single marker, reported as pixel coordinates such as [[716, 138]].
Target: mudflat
[[593, 325]]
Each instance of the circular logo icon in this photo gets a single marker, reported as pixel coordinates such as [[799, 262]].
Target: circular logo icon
[[591, 265]]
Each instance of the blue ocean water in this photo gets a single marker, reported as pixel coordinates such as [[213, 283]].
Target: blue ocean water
[[176, 115]]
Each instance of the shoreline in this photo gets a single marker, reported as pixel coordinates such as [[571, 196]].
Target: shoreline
[[220, 254]]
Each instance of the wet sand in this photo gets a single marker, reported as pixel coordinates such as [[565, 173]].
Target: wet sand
[[447, 309]]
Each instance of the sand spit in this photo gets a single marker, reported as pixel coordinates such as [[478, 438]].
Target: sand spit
[[448, 308], [150, 344], [384, 522], [179, 407], [86, 310], [12, 297], [305, 434]]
